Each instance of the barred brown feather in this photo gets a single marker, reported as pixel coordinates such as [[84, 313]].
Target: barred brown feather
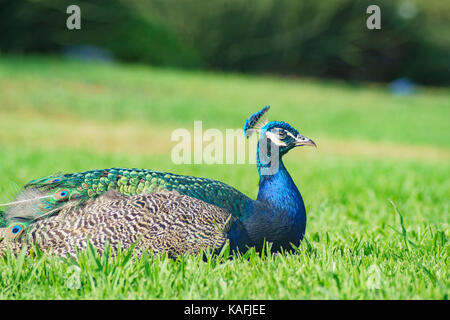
[[162, 222]]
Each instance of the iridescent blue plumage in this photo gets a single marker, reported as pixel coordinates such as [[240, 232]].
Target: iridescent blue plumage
[[278, 214]]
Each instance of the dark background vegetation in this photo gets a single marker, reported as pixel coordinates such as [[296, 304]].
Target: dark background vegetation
[[318, 38]]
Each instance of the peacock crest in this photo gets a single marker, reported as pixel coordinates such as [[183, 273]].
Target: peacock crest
[[256, 121]]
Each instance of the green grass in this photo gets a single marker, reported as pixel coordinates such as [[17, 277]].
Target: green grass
[[67, 116]]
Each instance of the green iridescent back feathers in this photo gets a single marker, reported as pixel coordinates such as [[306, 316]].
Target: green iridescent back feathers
[[46, 196]]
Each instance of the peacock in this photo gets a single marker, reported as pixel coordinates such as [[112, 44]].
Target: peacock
[[163, 211]]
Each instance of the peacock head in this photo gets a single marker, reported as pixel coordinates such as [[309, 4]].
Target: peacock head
[[283, 136], [276, 139], [278, 134]]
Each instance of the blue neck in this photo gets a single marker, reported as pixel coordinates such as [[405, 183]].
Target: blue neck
[[278, 214], [279, 192]]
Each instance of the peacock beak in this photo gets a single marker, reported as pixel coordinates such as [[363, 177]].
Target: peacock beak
[[304, 141]]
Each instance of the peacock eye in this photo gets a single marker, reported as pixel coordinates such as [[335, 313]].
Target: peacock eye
[[282, 134], [61, 194], [14, 231]]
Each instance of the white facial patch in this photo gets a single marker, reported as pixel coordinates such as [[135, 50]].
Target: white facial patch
[[275, 139], [293, 137]]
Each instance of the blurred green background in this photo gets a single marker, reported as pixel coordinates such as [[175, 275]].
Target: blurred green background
[[289, 37]]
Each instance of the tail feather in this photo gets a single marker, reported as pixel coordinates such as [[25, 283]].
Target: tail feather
[[26, 205], [42, 197]]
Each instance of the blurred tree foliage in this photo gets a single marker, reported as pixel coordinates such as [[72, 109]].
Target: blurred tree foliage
[[321, 38], [40, 26]]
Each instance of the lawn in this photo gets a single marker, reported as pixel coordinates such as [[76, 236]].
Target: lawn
[[376, 189]]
